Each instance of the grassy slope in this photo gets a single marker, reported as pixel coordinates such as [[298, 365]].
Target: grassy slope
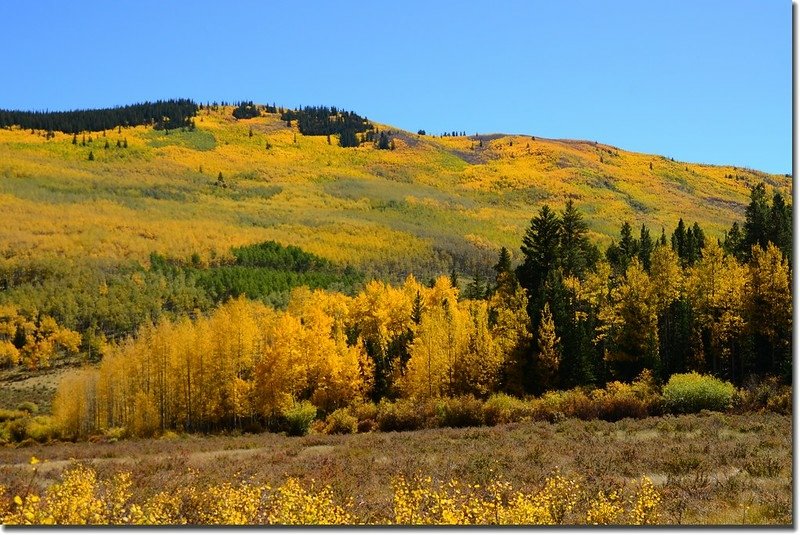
[[384, 209]]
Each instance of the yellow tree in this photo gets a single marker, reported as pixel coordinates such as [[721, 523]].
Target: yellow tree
[[629, 324], [279, 373], [769, 309], [477, 369], [510, 330], [549, 357], [716, 286]]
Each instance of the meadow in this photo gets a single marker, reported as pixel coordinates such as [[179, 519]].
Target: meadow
[[710, 468]]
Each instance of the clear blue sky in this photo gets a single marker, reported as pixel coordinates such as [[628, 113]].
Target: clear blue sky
[[696, 80]]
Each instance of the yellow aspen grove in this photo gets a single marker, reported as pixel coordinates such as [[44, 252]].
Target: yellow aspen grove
[[549, 356], [630, 322], [769, 306], [511, 332], [427, 370], [666, 277], [716, 287], [478, 368], [279, 373]]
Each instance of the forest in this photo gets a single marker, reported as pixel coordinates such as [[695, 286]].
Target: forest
[[161, 114], [567, 317]]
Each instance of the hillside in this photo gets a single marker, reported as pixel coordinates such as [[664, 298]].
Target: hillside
[[430, 203]]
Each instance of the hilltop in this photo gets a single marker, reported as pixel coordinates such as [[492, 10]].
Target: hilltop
[[425, 205]]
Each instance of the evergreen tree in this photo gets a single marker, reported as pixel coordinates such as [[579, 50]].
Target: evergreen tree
[[74, 139], [416, 309], [383, 141], [576, 253], [453, 278], [645, 248], [663, 239], [91, 156], [503, 262], [540, 250], [732, 243], [757, 216], [780, 225]]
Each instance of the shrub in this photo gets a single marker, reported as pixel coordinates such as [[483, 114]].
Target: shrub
[[503, 409], [367, 416], [29, 407], [299, 418], [405, 415], [462, 411], [17, 429], [620, 400], [340, 422], [9, 414], [555, 406], [115, 433], [42, 429], [692, 392]]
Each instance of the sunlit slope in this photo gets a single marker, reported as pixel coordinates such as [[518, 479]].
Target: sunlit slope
[[416, 207]]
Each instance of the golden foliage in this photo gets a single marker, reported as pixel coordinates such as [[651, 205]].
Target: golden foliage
[[80, 498]]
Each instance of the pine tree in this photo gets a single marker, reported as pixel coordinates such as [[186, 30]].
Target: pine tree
[[645, 248], [780, 225], [540, 250], [503, 262], [453, 278], [74, 139], [91, 156], [757, 215], [576, 253]]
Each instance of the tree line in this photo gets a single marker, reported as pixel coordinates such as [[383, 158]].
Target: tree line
[[161, 114]]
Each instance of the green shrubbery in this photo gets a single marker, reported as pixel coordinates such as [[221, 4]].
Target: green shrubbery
[[692, 392], [299, 418]]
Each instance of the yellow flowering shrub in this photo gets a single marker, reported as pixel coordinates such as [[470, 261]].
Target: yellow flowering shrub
[[81, 498]]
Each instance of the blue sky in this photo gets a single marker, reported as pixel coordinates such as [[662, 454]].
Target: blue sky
[[696, 80]]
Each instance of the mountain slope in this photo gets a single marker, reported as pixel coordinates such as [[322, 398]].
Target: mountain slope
[[429, 202]]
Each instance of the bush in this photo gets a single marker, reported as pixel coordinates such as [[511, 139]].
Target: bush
[[767, 394], [503, 409], [17, 429], [41, 429], [367, 416], [463, 411], [340, 422], [115, 433], [692, 392], [299, 418], [29, 407], [405, 415], [9, 414], [555, 406], [620, 400]]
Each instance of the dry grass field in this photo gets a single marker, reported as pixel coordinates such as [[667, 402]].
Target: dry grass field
[[709, 469]]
